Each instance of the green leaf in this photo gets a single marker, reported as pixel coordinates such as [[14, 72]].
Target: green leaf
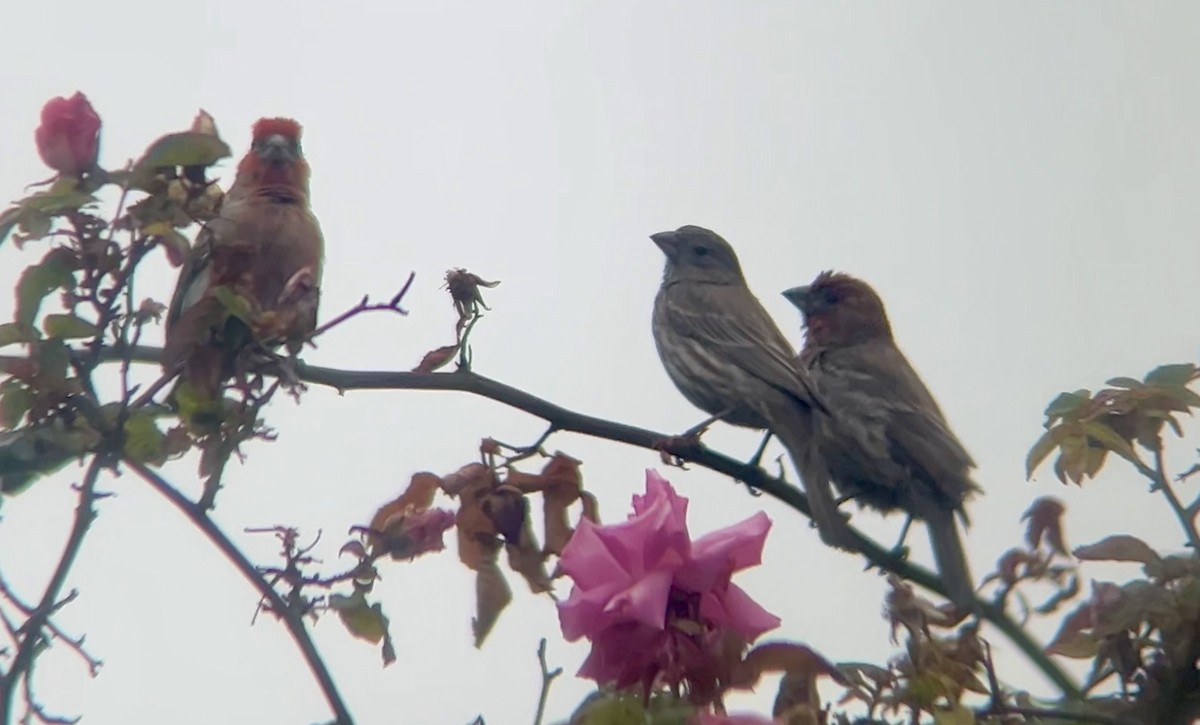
[[33, 224], [1067, 403], [11, 332], [1040, 450], [958, 716], [52, 359], [187, 148], [8, 220], [15, 401], [1108, 438], [1176, 374], [63, 196], [68, 327], [1121, 382], [143, 440], [37, 282], [238, 306], [365, 621]]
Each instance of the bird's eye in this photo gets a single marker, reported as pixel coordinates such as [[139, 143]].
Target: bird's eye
[[700, 250]]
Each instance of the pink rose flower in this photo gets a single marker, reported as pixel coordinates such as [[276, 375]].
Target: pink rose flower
[[68, 139], [655, 604]]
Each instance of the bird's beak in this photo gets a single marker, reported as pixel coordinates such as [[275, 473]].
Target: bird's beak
[[798, 296], [277, 148], [668, 242]]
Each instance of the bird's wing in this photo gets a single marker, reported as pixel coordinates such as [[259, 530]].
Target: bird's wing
[[877, 379], [193, 278], [728, 319]]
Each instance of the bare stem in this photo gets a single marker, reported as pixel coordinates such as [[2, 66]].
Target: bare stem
[[548, 676], [291, 618]]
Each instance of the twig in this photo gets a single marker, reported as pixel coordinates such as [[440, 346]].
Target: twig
[[31, 631], [520, 453], [290, 617], [1163, 482], [365, 305], [76, 644], [547, 679], [570, 421], [1051, 714]]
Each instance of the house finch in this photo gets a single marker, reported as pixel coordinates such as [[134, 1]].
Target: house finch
[[724, 353], [266, 247], [887, 444]]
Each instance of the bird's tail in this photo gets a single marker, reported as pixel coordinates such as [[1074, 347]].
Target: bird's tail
[[793, 425], [951, 559]]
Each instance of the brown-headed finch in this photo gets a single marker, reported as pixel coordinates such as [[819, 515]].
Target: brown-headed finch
[[266, 247], [887, 443], [725, 354]]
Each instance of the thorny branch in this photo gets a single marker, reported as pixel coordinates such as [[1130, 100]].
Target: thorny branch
[[567, 420], [31, 634], [365, 305], [75, 643], [1162, 481], [291, 617]]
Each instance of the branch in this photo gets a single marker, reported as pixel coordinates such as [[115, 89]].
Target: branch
[[76, 644], [548, 676], [570, 421], [291, 618], [1163, 482], [31, 631]]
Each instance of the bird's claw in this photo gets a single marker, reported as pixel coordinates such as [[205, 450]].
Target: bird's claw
[[672, 448]]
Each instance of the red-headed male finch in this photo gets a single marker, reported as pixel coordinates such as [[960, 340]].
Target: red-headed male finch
[[266, 247], [887, 443], [725, 354]]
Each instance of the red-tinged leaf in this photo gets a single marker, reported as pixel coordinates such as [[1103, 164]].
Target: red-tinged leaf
[[492, 595], [561, 484], [149, 310], [469, 477], [354, 548], [1045, 522], [526, 558], [1072, 639], [477, 537], [419, 495], [508, 511], [1119, 547], [436, 359]]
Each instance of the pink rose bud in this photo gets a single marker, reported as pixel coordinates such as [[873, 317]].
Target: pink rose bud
[[68, 139]]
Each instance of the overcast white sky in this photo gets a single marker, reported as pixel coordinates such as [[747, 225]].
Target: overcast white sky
[[1018, 180]]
